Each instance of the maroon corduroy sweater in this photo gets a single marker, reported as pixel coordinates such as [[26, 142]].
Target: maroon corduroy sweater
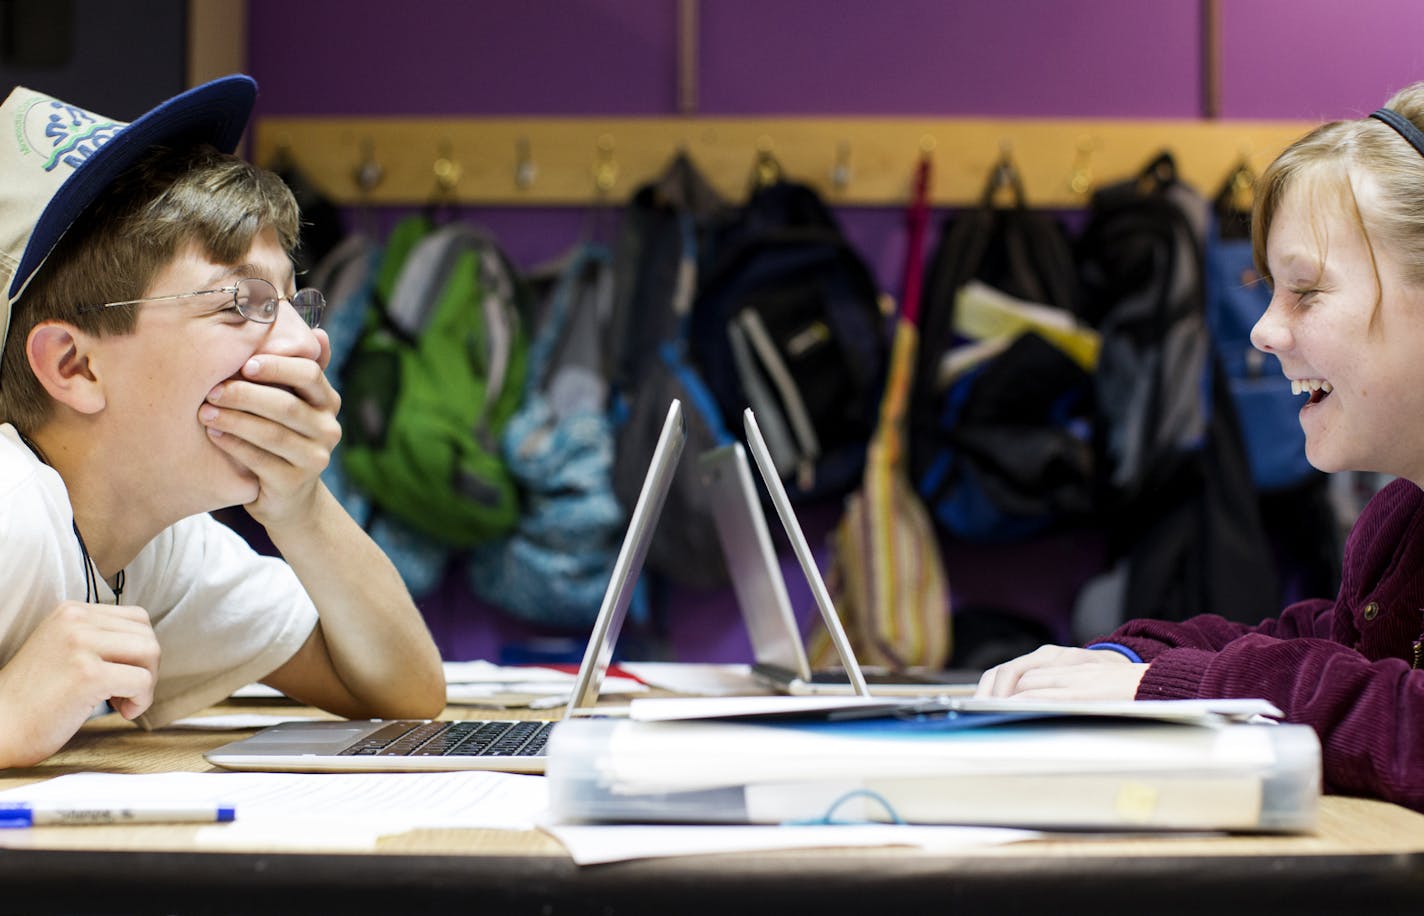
[[1348, 667]]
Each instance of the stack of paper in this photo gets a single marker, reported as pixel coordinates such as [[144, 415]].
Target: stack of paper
[[1188, 767], [485, 684]]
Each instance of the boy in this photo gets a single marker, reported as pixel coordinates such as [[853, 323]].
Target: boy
[[158, 363]]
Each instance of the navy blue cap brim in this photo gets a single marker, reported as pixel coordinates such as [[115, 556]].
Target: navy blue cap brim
[[215, 112]]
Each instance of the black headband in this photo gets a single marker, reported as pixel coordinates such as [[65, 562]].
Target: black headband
[[1403, 126]]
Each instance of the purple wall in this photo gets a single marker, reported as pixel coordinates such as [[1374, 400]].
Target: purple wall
[[1073, 58], [1280, 59], [990, 57], [451, 57], [1317, 59]]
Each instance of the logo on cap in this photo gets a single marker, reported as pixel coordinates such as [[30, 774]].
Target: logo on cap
[[63, 134]]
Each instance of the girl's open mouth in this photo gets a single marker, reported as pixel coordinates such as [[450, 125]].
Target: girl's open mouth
[[1318, 389]]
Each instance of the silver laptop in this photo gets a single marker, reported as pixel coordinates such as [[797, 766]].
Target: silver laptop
[[779, 653], [513, 745]]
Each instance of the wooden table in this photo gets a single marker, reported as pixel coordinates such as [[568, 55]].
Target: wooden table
[[1367, 857]]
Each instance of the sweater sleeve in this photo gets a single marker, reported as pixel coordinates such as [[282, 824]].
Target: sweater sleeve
[[1211, 632], [1369, 715], [1341, 667]]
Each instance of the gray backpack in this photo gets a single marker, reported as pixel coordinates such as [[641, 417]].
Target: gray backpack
[[554, 567]]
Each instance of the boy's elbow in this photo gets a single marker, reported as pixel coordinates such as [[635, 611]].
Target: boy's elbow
[[405, 707], [430, 703], [423, 700]]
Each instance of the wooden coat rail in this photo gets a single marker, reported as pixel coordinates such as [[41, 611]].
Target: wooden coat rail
[[852, 161]]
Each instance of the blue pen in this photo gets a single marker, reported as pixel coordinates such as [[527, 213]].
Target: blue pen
[[25, 814]]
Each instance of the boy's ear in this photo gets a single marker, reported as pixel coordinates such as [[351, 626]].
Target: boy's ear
[[59, 355]]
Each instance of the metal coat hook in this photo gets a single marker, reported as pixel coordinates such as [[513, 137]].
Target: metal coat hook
[[1239, 189], [1243, 178], [447, 171], [1080, 180], [525, 169], [766, 171], [841, 170], [369, 172], [605, 167], [1004, 175], [1004, 170]]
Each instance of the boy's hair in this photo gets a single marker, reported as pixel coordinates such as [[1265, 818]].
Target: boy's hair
[[170, 199], [1331, 159]]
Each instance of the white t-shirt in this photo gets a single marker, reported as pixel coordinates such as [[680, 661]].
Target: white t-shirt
[[224, 614]]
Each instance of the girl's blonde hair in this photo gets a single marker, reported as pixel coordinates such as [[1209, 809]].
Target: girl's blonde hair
[[1329, 160]]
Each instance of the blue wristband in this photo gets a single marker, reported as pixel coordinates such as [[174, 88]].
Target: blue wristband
[[1118, 648]]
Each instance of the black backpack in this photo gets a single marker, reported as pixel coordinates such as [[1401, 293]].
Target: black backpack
[[664, 232], [1003, 451], [788, 321], [665, 228], [1174, 483]]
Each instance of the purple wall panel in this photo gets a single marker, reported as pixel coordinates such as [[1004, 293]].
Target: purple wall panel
[[447, 57], [972, 57], [1317, 59], [1040, 58]]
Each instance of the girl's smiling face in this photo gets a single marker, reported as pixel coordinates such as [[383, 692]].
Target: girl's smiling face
[[1349, 329]]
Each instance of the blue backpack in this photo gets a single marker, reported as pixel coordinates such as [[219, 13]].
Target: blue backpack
[[558, 446], [1265, 407]]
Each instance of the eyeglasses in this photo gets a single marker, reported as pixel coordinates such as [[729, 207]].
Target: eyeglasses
[[254, 298]]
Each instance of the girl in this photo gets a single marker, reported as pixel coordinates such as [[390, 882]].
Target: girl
[[1338, 230]]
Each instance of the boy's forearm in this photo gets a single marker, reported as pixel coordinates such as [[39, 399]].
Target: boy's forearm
[[376, 640]]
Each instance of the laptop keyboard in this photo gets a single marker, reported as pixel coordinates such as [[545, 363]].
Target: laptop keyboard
[[467, 738]]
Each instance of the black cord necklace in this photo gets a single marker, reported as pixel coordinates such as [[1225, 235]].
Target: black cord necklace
[[91, 575]]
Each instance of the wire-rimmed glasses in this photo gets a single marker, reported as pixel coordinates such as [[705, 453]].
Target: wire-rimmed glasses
[[255, 299]]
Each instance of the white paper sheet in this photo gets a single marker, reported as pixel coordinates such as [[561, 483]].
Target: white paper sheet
[[541, 694], [465, 679], [700, 679], [482, 683], [315, 810], [479, 671], [661, 709]]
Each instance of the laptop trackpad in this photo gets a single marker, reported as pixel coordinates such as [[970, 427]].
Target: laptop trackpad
[[320, 737]]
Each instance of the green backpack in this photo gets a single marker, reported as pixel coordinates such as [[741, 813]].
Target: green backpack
[[434, 379]]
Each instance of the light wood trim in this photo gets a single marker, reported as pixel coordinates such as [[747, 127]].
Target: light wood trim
[[1061, 161], [688, 44], [217, 39], [1211, 58]]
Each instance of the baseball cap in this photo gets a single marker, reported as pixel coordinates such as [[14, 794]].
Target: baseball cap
[[56, 158]]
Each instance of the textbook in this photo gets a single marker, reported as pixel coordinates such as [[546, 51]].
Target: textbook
[[989, 769]]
